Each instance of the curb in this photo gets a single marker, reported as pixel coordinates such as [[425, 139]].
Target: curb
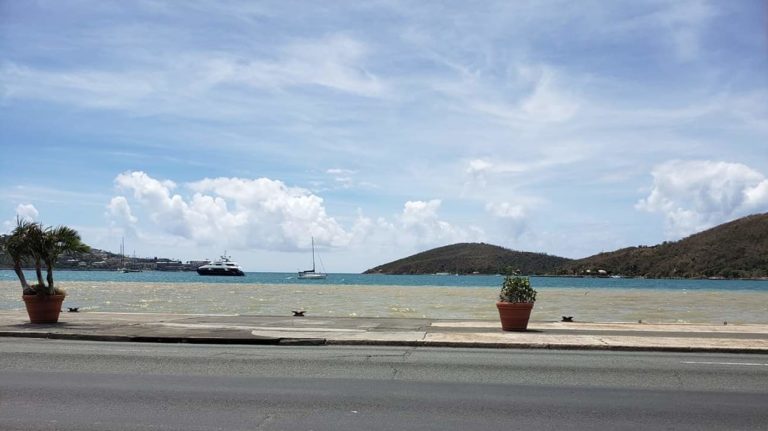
[[265, 341], [548, 346]]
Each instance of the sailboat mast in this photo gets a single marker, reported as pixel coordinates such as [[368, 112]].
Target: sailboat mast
[[313, 254]]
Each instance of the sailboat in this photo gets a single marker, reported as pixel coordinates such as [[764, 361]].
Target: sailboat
[[123, 266], [311, 274]]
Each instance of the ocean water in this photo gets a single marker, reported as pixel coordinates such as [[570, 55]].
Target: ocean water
[[447, 297]]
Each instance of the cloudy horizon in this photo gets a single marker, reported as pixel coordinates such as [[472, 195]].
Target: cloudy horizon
[[381, 129]]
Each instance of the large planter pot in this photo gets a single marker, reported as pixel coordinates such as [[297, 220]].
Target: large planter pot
[[514, 315], [43, 308]]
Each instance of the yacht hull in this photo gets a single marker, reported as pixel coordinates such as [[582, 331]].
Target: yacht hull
[[220, 271], [312, 276]]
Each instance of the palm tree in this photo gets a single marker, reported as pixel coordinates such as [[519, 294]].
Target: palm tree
[[35, 237], [42, 245], [18, 247], [55, 241]]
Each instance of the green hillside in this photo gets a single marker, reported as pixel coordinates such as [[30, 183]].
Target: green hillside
[[738, 249], [469, 258]]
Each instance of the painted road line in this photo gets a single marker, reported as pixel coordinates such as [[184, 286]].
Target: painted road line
[[746, 364]]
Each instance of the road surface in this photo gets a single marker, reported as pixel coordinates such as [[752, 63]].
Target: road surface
[[76, 385]]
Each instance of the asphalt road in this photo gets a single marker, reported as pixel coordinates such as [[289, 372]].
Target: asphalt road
[[72, 385]]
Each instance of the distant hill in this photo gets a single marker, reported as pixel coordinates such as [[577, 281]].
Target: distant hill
[[738, 249], [468, 258]]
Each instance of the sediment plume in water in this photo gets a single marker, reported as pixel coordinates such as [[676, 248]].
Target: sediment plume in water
[[586, 305]]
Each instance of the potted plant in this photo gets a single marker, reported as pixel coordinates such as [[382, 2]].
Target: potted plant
[[515, 303], [43, 246]]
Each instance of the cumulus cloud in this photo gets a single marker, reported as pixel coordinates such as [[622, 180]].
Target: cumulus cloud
[[258, 213], [121, 217], [696, 195], [419, 224], [23, 212], [417, 227], [27, 212], [267, 214], [119, 211], [420, 212]]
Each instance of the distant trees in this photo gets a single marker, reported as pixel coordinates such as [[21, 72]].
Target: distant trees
[[738, 249]]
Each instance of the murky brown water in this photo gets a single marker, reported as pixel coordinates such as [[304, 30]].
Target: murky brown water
[[600, 305]]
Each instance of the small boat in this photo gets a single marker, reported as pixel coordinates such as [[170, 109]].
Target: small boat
[[224, 266], [311, 274], [127, 268]]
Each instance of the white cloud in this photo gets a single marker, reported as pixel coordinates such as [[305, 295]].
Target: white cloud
[[477, 170], [420, 225], [536, 95], [419, 212], [696, 195], [235, 212], [335, 62], [23, 212], [188, 84], [90, 88], [121, 217], [266, 214], [548, 101], [27, 212], [119, 210]]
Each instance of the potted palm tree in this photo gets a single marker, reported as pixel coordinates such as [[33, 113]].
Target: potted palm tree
[[43, 246], [515, 303]]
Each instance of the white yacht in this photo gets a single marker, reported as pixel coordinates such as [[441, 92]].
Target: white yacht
[[311, 274], [224, 266]]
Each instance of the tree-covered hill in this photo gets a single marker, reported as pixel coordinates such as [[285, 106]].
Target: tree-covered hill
[[469, 258], [738, 249]]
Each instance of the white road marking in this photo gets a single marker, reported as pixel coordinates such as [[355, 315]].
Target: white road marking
[[746, 364]]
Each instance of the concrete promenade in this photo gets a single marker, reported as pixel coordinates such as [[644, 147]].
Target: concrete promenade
[[320, 330]]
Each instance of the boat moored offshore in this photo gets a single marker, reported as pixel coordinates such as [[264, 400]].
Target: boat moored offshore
[[311, 274], [223, 266]]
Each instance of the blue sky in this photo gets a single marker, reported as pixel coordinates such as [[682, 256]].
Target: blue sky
[[381, 128]]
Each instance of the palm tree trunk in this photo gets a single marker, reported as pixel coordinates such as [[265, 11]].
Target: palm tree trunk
[[49, 266], [20, 273], [39, 273]]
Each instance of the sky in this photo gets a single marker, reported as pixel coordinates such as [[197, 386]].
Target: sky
[[381, 128]]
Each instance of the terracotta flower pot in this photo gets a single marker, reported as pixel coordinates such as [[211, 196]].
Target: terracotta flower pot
[[43, 308], [514, 315]]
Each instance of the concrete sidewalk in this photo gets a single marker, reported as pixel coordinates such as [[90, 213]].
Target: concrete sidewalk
[[314, 330]]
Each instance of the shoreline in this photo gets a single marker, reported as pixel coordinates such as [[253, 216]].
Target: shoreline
[[31, 270], [593, 304]]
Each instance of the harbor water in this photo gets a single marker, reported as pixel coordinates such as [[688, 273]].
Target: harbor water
[[439, 297]]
